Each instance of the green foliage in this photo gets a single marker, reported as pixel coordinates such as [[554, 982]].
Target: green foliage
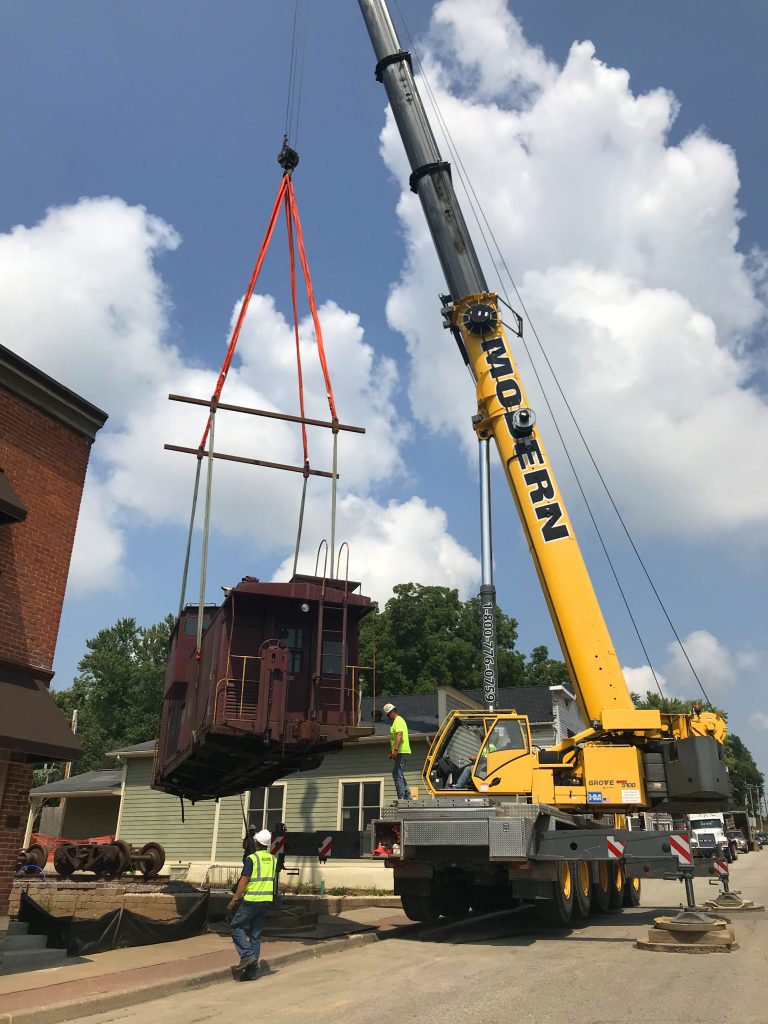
[[742, 770], [674, 705], [118, 691], [541, 670], [426, 637]]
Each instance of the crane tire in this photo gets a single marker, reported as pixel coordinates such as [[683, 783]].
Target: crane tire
[[601, 889], [632, 892], [557, 910], [616, 892], [421, 907], [582, 885]]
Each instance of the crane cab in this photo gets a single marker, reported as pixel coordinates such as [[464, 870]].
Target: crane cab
[[481, 752]]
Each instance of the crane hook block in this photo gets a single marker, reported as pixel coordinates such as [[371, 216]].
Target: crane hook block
[[288, 158]]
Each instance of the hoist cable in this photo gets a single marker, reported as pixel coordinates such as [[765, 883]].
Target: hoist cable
[[189, 536], [296, 70], [334, 479], [206, 534], [291, 70], [301, 63], [289, 228], [300, 526], [478, 213]]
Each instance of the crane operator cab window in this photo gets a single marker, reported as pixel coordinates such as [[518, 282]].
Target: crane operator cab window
[[477, 751]]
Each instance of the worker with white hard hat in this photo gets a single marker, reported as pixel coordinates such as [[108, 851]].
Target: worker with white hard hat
[[252, 899], [400, 747]]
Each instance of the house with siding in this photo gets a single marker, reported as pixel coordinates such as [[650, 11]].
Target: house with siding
[[203, 841]]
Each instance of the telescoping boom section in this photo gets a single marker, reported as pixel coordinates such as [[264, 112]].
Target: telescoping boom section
[[275, 686]]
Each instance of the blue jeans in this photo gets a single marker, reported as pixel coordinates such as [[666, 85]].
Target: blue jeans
[[246, 927], [398, 774], [462, 780]]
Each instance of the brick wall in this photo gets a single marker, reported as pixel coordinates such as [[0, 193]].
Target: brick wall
[[45, 461], [14, 805], [91, 900]]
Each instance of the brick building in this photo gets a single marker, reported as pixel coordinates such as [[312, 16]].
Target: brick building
[[46, 433]]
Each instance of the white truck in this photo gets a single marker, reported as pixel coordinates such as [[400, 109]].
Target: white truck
[[708, 836]]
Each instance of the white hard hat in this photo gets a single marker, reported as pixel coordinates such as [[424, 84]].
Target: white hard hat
[[387, 708], [263, 838]]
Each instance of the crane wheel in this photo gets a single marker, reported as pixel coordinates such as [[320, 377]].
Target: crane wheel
[[421, 907], [601, 888], [582, 897], [557, 911], [632, 892], [616, 891]]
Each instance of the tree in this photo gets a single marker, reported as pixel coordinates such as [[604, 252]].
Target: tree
[[674, 705], [742, 771], [426, 637], [118, 692], [541, 670]]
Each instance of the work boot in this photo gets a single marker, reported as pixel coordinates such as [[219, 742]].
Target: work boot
[[250, 972]]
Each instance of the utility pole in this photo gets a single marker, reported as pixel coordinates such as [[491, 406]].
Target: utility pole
[[73, 726]]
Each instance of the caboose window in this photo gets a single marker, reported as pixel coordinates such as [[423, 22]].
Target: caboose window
[[293, 638], [190, 624], [331, 663]]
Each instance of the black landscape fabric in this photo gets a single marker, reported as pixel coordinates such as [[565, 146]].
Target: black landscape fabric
[[115, 930]]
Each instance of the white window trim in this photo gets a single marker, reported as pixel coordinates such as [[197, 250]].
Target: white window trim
[[275, 785], [357, 778]]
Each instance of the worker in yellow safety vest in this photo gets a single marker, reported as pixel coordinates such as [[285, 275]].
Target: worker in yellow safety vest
[[400, 748], [252, 899]]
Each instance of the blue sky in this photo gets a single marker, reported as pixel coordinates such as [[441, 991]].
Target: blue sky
[[632, 211]]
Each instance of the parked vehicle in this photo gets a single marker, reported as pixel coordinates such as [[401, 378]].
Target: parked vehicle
[[734, 836], [745, 824], [708, 836]]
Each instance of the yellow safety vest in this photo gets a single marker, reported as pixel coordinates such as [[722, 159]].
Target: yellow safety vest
[[261, 885]]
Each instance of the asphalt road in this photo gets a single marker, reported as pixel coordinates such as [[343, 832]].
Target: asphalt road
[[508, 969]]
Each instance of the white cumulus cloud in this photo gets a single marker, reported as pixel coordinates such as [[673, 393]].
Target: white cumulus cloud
[[625, 248]]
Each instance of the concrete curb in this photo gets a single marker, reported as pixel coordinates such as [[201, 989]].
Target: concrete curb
[[57, 1013]]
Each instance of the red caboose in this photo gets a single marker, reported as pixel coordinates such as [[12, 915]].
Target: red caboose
[[274, 687]]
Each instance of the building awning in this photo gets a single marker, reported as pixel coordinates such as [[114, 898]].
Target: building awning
[[30, 722], [12, 509]]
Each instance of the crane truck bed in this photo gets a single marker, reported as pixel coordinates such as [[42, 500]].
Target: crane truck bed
[[452, 853]]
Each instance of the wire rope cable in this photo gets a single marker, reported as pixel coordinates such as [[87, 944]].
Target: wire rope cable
[[185, 573], [500, 265], [296, 70]]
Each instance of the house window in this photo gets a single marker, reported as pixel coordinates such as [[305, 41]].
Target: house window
[[360, 804], [293, 638], [266, 807]]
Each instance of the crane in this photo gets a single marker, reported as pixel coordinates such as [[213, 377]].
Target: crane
[[506, 820], [626, 758]]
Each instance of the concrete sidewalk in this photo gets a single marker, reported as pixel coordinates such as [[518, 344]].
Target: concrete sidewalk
[[125, 977]]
